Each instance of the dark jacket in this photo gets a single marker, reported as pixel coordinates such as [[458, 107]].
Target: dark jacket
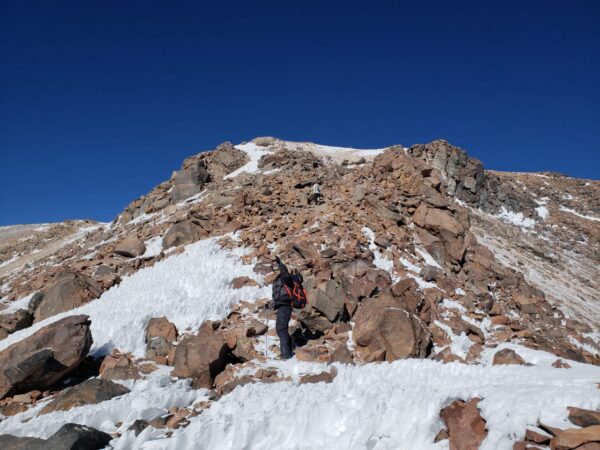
[[280, 294]]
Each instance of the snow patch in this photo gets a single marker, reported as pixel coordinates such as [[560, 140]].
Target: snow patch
[[187, 289], [254, 152], [515, 218], [572, 211]]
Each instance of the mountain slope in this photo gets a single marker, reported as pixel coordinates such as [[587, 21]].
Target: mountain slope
[[414, 253]]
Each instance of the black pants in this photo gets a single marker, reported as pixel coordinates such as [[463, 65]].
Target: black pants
[[284, 314]]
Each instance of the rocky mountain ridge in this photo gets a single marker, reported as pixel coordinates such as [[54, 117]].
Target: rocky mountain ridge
[[410, 253]]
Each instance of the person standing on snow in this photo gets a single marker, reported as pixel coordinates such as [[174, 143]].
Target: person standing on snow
[[284, 288]]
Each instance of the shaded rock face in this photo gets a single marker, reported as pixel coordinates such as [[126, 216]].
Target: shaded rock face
[[466, 428], [201, 357], [89, 392], [385, 331], [160, 334], [70, 436], [69, 291], [584, 417], [40, 360]]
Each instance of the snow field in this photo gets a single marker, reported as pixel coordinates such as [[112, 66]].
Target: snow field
[[187, 289], [387, 406]]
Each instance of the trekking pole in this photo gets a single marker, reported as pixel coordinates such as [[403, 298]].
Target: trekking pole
[[267, 333]]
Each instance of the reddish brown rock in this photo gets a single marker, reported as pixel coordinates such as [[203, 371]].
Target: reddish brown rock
[[241, 282], [201, 357], [583, 417], [575, 437], [161, 327], [466, 428], [384, 330], [507, 356], [89, 392], [323, 377]]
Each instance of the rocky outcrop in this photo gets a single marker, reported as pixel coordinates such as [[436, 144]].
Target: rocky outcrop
[[465, 427], [463, 175], [70, 290], [89, 392], [160, 335], [385, 331], [40, 360]]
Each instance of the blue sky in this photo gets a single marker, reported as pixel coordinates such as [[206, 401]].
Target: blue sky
[[102, 100]]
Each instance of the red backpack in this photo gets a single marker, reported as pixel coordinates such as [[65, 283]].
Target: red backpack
[[297, 294]]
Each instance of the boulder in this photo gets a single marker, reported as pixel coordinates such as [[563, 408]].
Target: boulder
[[575, 438], [244, 349], [190, 179], [583, 417], [384, 330], [70, 436], [240, 282], [430, 273], [507, 356], [69, 291], [466, 428], [40, 360], [16, 321], [118, 366], [161, 327], [201, 357], [182, 233], [130, 247], [90, 392], [329, 300]]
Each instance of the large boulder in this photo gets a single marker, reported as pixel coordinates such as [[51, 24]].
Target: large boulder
[[575, 438], [69, 291], [384, 330], [583, 417], [40, 360], [130, 247], [190, 179], [202, 357], [466, 428], [70, 436], [507, 356], [182, 233], [90, 392]]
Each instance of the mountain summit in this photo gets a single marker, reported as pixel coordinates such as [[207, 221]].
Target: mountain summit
[[448, 306]]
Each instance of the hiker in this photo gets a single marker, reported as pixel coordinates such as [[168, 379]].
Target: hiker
[[287, 293], [315, 196]]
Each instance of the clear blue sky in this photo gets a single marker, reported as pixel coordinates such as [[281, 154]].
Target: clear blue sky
[[102, 100]]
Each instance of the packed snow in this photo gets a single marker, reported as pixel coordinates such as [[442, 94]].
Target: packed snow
[[187, 289], [254, 152], [387, 406], [379, 260], [337, 154], [514, 218]]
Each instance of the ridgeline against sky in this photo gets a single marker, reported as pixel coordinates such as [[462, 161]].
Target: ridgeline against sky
[[100, 101]]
